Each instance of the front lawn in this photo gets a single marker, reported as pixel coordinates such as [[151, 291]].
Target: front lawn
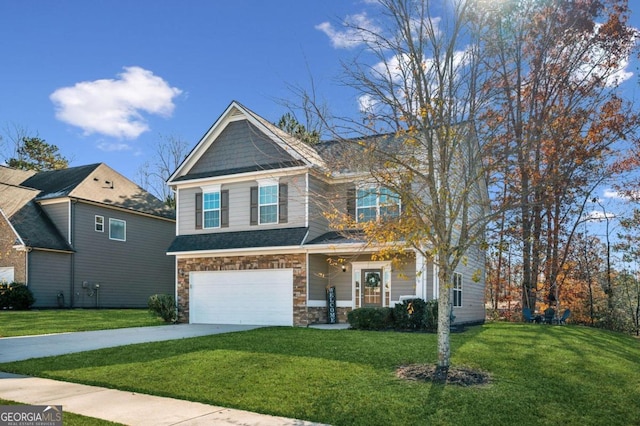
[[26, 323], [541, 375]]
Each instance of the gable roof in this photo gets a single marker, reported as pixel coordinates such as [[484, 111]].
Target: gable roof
[[97, 183], [21, 193], [28, 219], [300, 153]]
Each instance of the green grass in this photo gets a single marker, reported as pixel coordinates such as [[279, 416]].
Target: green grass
[[541, 375], [71, 419], [25, 323]]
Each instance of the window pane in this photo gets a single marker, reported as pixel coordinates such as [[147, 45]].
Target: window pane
[[366, 214], [117, 229], [212, 219], [268, 195], [211, 207], [389, 203], [212, 200], [269, 214], [366, 197]]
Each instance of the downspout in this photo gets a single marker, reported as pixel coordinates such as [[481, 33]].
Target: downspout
[[72, 272]]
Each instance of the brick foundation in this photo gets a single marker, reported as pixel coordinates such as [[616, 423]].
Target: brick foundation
[[285, 261]]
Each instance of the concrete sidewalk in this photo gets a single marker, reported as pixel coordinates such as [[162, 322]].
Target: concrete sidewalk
[[127, 407]]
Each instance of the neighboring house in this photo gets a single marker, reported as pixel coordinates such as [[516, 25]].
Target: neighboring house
[[253, 245], [84, 237]]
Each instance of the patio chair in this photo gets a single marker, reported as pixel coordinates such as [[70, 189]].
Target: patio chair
[[526, 315], [549, 315], [565, 315]]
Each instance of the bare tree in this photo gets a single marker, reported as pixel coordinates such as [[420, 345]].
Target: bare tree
[[417, 137], [168, 153]]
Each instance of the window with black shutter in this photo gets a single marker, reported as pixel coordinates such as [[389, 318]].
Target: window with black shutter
[[253, 209], [224, 208]]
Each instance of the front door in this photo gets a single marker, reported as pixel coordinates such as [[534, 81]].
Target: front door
[[371, 287]]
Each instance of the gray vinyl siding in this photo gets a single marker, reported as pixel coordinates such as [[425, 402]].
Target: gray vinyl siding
[[323, 274], [49, 274], [473, 284], [318, 277], [240, 145], [319, 197], [59, 215], [403, 279], [128, 272], [239, 203]]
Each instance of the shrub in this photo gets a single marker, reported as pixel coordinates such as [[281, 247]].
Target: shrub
[[163, 306], [370, 318], [416, 315], [409, 315], [430, 319], [16, 296]]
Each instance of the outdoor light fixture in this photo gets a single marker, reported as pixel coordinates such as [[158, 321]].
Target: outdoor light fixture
[[344, 268]]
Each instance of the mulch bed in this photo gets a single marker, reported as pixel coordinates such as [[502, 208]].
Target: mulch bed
[[455, 376]]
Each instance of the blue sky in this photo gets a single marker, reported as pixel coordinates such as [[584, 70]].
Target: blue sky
[[103, 80], [139, 69]]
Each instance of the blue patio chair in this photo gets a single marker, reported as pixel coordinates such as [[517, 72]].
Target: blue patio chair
[[526, 314], [565, 315], [549, 315]]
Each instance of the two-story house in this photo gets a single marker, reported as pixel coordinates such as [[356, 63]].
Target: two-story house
[[253, 245], [84, 237]]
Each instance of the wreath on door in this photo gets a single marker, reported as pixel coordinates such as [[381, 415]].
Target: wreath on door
[[372, 279]]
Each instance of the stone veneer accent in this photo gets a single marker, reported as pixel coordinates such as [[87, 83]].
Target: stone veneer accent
[[319, 315], [10, 256], [297, 262]]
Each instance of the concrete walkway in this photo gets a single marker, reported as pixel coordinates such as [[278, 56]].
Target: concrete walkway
[[118, 406]]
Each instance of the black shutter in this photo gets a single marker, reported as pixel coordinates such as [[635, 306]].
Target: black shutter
[[199, 210], [253, 210], [283, 209], [224, 208], [351, 201]]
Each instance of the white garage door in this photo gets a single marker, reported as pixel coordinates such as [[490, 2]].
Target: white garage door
[[258, 297]]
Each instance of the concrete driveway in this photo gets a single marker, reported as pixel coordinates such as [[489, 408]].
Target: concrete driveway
[[20, 348]]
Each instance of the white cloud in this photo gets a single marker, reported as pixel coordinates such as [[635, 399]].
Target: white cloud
[[111, 147], [114, 107], [358, 29]]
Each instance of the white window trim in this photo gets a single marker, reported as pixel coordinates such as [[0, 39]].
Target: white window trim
[[111, 220], [95, 223], [377, 205], [263, 183], [211, 189]]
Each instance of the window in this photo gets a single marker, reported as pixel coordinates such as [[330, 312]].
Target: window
[[211, 209], [117, 230], [268, 204], [376, 203], [99, 227], [457, 290]]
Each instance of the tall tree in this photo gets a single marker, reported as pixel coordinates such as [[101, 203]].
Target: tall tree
[[168, 153], [555, 66], [422, 95], [34, 153], [290, 124]]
